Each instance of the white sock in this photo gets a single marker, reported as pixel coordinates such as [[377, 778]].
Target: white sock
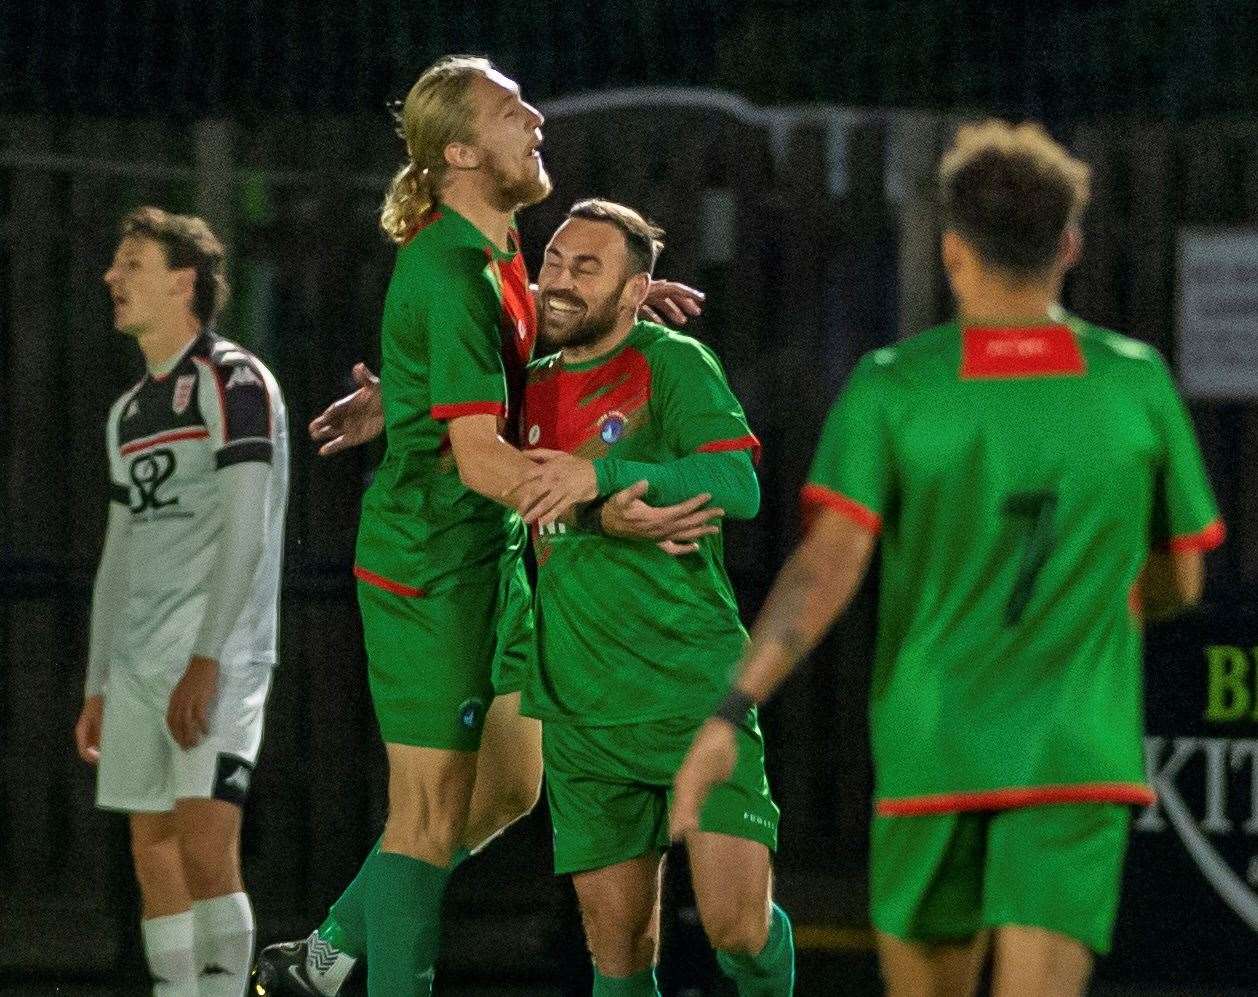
[[326, 965], [224, 944], [168, 948]]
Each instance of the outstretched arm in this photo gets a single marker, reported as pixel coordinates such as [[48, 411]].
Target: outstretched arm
[[351, 421]]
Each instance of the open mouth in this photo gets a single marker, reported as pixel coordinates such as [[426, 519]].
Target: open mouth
[[561, 307]]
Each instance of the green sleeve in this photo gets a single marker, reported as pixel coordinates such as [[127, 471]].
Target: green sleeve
[[460, 311], [1185, 515], [694, 403], [728, 476], [852, 472]]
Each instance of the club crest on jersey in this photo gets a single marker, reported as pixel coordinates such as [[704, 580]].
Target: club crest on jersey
[[471, 713], [183, 393], [611, 427], [535, 434], [241, 375]]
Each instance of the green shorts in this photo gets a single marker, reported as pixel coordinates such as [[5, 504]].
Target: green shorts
[[945, 877], [610, 788], [435, 661]]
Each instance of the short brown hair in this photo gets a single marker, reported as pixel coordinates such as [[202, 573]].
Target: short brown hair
[[188, 242], [1011, 191], [644, 240]]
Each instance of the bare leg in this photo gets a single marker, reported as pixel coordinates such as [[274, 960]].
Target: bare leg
[[916, 969], [733, 889], [430, 790], [167, 924], [508, 772], [222, 918], [158, 865], [1034, 962], [620, 907]]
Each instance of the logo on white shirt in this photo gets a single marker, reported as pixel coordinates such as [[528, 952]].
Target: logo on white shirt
[[242, 375], [183, 393]]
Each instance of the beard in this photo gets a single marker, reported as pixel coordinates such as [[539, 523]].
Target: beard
[[512, 192], [589, 329]]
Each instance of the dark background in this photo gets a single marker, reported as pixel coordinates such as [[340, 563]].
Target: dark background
[[787, 150]]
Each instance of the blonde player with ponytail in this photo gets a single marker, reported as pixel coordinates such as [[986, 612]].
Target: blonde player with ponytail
[[445, 603]]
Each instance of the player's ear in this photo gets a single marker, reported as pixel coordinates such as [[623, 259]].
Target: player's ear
[[1071, 248], [185, 283], [462, 156], [635, 292], [950, 249]]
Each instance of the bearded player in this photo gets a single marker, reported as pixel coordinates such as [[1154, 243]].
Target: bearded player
[[1033, 479], [635, 647], [184, 608], [445, 603]]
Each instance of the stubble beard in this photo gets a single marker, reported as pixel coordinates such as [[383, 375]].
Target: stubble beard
[[511, 193]]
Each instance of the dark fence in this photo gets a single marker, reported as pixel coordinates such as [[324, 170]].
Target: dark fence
[[1056, 58], [814, 236]]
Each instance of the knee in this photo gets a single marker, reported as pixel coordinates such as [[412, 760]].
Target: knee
[[153, 859], [737, 931], [519, 797], [620, 947], [210, 866], [425, 833], [622, 941]]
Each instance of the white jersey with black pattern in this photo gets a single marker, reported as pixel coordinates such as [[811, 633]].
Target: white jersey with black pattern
[[168, 437]]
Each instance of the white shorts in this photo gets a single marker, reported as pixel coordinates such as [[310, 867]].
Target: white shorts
[[143, 770]]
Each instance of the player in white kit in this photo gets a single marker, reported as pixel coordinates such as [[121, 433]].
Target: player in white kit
[[185, 602]]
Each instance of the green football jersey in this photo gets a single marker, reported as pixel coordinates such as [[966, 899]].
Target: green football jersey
[[1018, 477], [458, 331], [626, 632]]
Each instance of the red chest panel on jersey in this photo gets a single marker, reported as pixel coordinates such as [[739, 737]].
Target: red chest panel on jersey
[[1042, 351], [569, 410], [518, 329]]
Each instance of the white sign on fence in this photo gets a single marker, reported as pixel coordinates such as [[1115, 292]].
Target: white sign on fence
[[1218, 313]]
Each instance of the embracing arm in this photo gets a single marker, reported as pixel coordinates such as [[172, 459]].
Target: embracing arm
[[488, 464], [727, 477]]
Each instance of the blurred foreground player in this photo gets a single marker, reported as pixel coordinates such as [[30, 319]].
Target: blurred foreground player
[[185, 602], [446, 606], [1019, 465], [635, 645]]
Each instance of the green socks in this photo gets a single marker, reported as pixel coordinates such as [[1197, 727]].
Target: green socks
[[403, 916], [639, 985], [345, 927], [772, 972]]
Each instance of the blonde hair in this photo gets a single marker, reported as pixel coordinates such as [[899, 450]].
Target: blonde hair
[[435, 113]]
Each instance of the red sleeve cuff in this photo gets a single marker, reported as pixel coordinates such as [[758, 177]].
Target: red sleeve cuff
[[812, 495], [748, 442], [468, 408], [1205, 539]]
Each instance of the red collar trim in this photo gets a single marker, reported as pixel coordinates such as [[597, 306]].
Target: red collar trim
[[989, 353]]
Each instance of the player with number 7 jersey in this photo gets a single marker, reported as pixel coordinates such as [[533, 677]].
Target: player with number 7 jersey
[[1031, 478], [1012, 538]]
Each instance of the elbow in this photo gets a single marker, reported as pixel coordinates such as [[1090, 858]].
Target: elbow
[[744, 506], [744, 503]]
